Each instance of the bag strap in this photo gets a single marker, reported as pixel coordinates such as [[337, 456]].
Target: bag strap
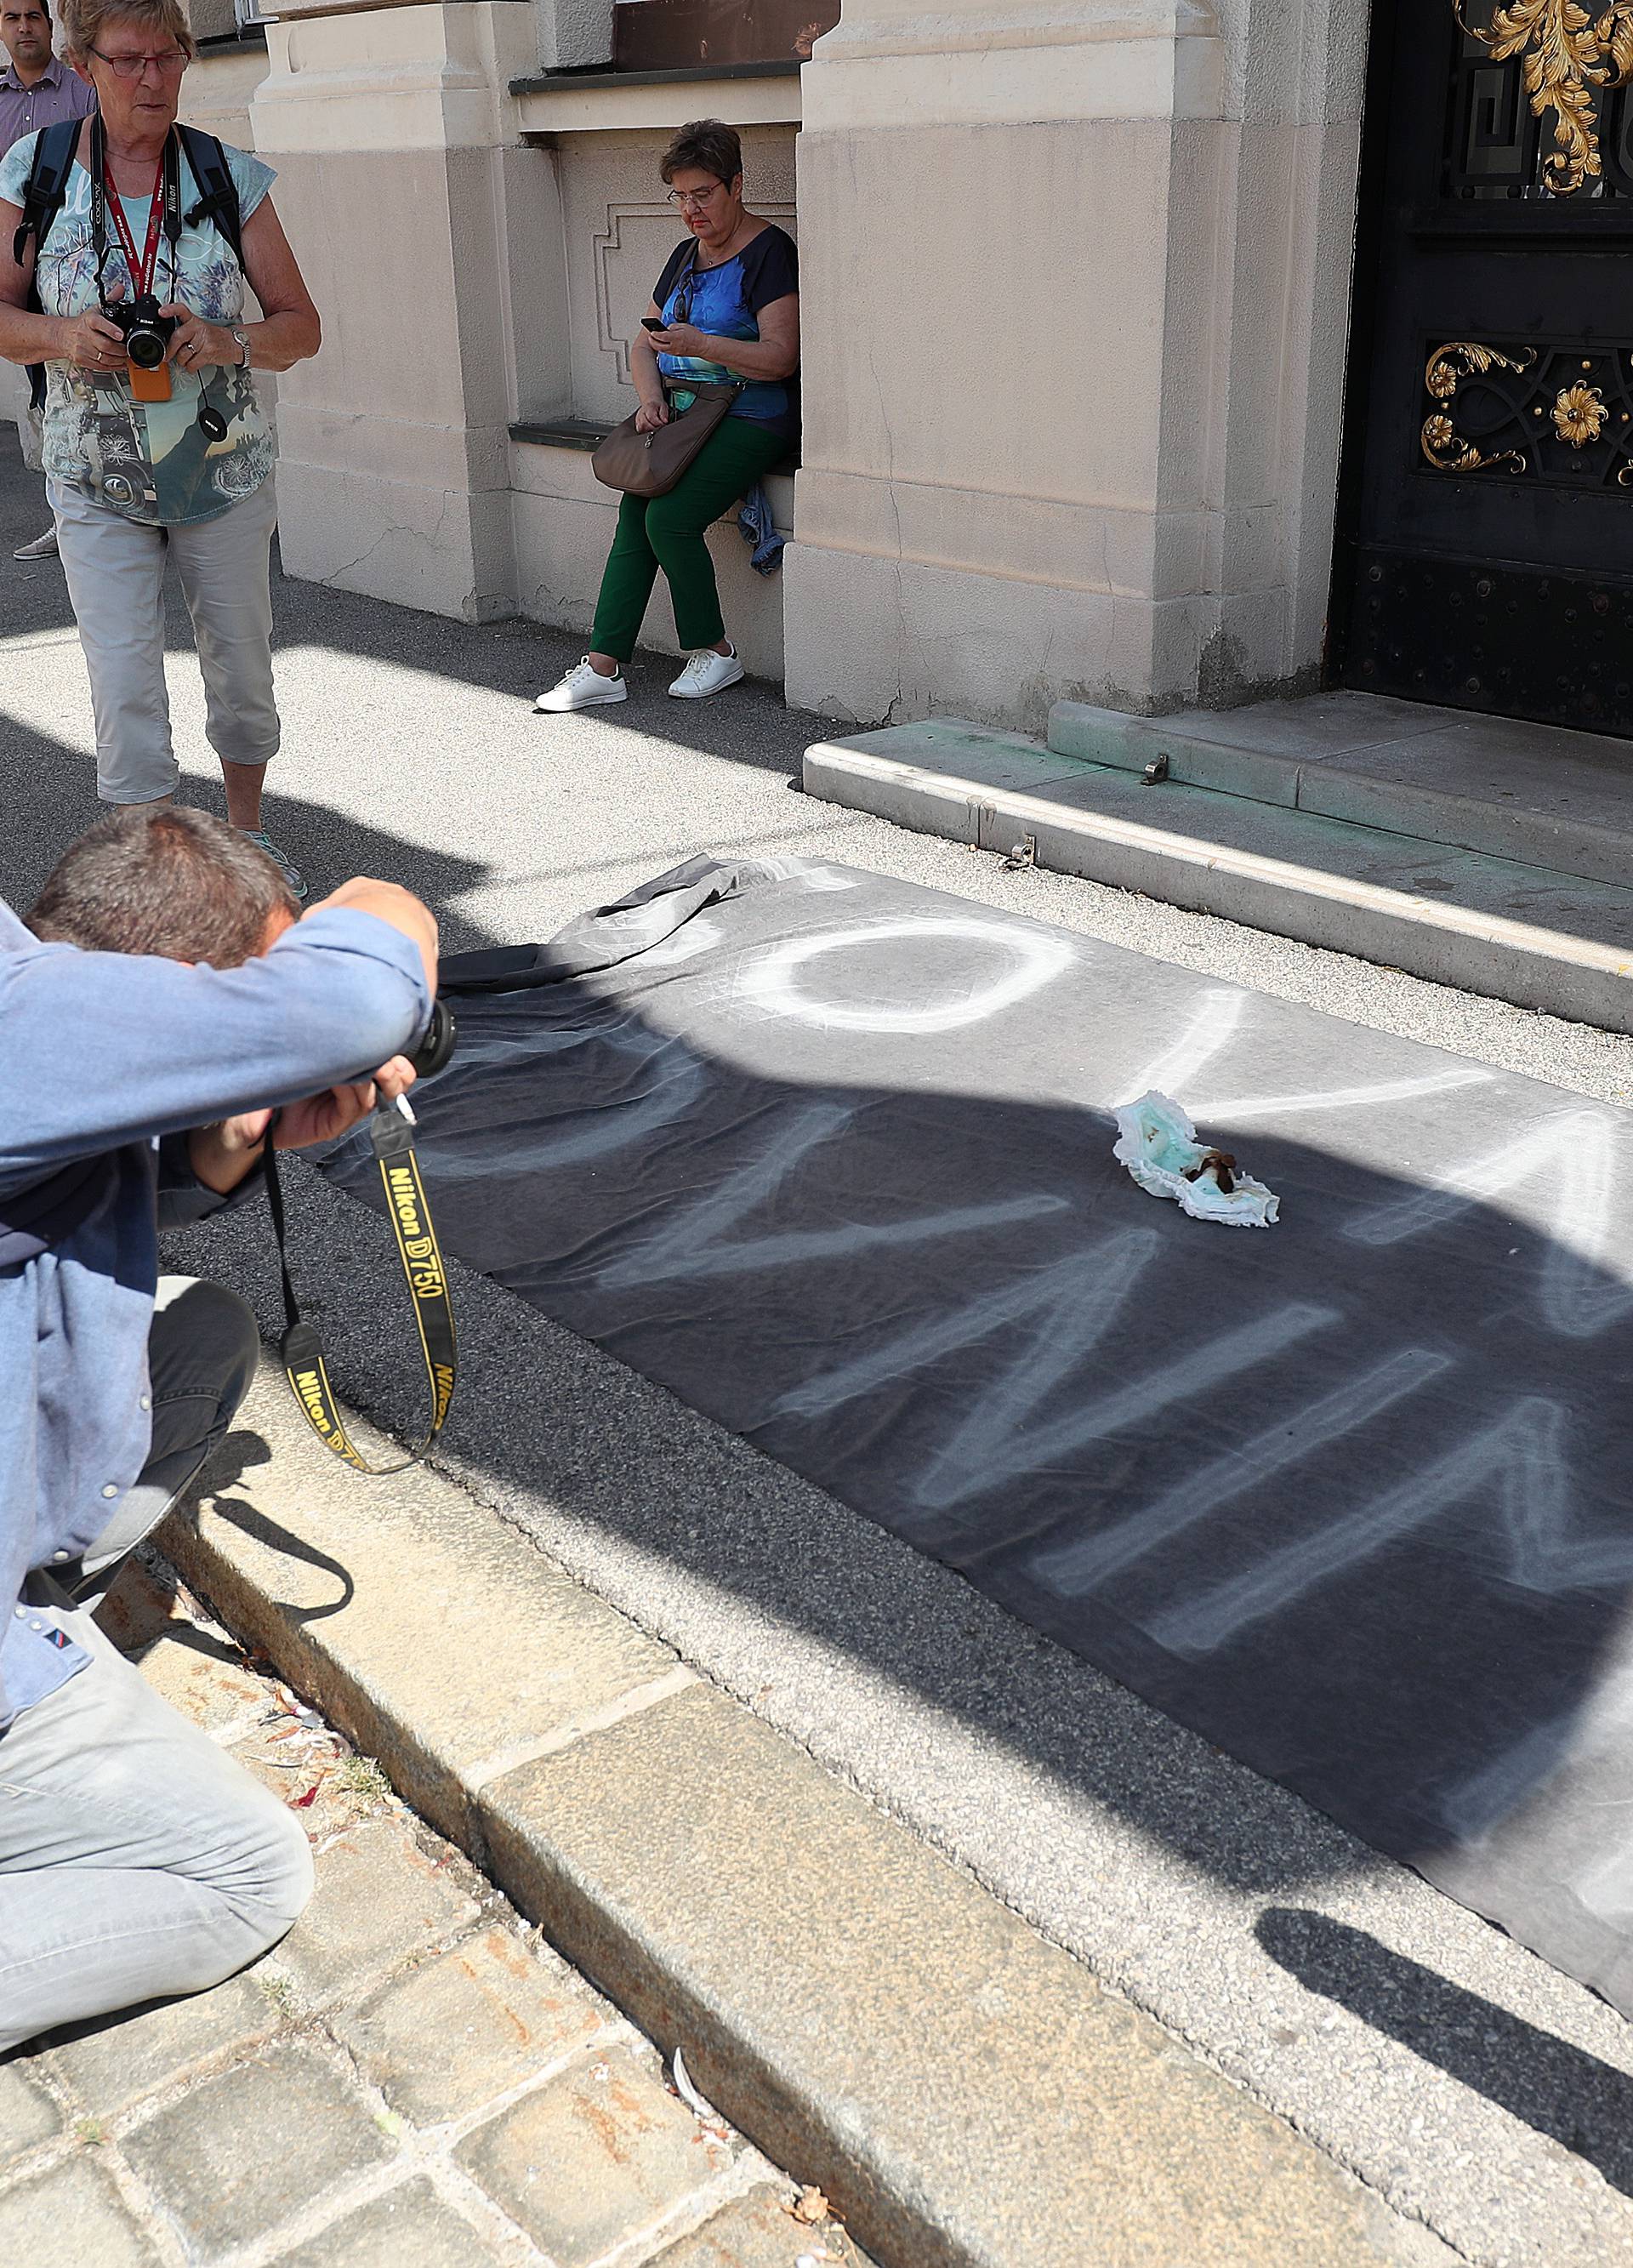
[[46, 190], [219, 197]]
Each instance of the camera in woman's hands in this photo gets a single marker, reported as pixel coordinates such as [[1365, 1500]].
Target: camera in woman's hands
[[147, 332]]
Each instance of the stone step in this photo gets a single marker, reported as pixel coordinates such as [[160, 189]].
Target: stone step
[[1534, 935], [966, 2093], [1546, 797]]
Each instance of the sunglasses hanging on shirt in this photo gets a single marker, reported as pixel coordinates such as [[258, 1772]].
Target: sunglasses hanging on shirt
[[147, 333]]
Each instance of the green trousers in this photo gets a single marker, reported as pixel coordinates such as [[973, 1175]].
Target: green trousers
[[667, 532]]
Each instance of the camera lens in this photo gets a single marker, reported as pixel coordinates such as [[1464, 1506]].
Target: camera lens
[[145, 349], [437, 1047]]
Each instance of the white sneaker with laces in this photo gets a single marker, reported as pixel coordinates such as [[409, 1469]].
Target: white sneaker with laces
[[708, 672], [581, 689], [43, 547]]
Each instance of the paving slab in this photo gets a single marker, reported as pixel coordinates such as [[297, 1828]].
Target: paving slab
[[239, 2154], [28, 2114], [602, 2152], [73, 2214], [965, 2091], [499, 2013], [379, 1901], [109, 2067], [410, 2227]]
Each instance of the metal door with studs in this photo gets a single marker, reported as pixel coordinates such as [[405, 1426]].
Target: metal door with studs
[[1485, 553]]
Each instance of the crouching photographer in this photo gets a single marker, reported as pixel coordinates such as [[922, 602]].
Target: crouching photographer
[[164, 1002]]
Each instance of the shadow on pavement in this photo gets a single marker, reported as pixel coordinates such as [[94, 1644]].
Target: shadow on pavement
[[1558, 2089]]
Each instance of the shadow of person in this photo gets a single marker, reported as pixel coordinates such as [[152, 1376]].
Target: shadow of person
[[1561, 2091]]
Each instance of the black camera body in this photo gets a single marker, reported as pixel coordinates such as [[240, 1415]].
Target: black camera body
[[147, 332]]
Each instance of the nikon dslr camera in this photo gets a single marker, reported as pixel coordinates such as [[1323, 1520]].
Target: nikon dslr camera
[[147, 332]]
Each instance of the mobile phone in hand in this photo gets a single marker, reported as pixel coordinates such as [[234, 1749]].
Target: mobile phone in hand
[[653, 323]]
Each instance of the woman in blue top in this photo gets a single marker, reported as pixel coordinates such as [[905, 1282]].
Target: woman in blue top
[[728, 302]]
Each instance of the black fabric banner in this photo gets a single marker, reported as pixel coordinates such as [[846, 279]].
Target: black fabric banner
[[830, 1157]]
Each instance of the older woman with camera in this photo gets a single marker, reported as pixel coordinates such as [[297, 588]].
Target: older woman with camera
[[726, 307], [130, 290]]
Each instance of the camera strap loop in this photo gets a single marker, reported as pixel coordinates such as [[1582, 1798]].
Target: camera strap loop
[[418, 1248]]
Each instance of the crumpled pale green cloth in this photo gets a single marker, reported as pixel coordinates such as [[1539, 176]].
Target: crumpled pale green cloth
[[1158, 1143]]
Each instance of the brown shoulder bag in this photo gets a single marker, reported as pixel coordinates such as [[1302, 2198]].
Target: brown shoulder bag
[[650, 464]]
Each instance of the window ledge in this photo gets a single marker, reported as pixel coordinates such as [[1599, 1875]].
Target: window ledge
[[588, 433], [601, 102], [561, 433], [570, 82]]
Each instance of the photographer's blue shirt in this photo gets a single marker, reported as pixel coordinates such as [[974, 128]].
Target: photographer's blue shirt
[[112, 1057]]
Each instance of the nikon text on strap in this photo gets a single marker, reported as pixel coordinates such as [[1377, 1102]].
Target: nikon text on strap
[[410, 1218]]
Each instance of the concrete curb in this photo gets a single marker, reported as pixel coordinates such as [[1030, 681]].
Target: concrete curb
[[966, 2093], [1462, 944]]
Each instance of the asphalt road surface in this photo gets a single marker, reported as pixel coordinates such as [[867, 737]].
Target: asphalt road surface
[[1470, 2084]]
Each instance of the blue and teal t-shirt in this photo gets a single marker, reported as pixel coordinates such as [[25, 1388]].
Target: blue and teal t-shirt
[[725, 301], [147, 460]]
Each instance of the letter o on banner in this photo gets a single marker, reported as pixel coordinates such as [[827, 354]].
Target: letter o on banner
[[1033, 958]]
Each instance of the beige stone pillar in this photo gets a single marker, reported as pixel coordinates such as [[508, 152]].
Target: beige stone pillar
[[389, 129], [1066, 306]]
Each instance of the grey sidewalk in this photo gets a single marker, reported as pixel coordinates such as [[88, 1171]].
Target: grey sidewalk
[[413, 2080]]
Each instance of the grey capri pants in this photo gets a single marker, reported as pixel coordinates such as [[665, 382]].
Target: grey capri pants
[[115, 570]]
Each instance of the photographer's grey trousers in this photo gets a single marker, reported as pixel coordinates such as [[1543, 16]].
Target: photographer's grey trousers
[[115, 570], [137, 1859]]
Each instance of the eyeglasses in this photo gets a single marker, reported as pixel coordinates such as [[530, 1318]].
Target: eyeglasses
[[688, 199], [170, 62]]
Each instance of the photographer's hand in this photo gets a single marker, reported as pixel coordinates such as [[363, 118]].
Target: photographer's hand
[[92, 342], [325, 1117], [221, 1155], [195, 344]]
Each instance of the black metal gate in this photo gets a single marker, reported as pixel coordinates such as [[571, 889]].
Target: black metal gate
[[1485, 556]]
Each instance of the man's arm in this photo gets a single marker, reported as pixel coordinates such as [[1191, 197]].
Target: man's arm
[[105, 1048]]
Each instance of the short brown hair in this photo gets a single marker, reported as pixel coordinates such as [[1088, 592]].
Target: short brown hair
[[85, 23], [163, 880], [708, 145]]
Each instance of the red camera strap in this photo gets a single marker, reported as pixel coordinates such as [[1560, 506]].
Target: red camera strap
[[141, 271]]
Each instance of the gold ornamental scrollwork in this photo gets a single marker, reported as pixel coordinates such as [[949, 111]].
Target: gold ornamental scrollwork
[[1579, 414], [1443, 445], [1568, 56]]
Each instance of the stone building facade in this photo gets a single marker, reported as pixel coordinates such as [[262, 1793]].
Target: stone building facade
[[1079, 281]]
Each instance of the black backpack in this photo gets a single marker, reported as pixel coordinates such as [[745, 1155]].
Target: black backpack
[[46, 190]]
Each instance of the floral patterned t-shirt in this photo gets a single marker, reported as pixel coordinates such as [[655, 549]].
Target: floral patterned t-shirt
[[147, 460]]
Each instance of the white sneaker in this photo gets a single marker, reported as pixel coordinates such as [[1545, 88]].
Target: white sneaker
[[707, 672], [581, 689], [43, 547]]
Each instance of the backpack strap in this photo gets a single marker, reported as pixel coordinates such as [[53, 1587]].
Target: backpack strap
[[44, 196], [55, 148], [218, 196]]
